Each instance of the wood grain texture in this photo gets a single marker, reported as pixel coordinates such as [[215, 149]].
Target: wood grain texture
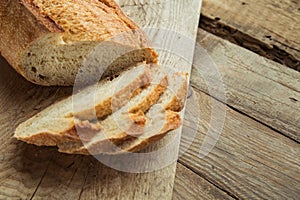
[[249, 160], [30, 172], [82, 177], [190, 186], [269, 28], [22, 166], [258, 87]]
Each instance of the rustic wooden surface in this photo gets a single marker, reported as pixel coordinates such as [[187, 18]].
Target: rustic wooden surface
[[256, 86], [250, 160], [190, 186], [267, 27], [30, 172], [257, 153]]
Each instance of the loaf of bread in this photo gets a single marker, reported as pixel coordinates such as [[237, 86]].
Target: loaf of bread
[[49, 42], [127, 124]]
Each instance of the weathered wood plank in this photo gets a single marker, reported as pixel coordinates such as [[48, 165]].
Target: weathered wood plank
[[189, 185], [30, 172], [270, 28], [81, 177], [256, 86], [21, 165], [249, 160]]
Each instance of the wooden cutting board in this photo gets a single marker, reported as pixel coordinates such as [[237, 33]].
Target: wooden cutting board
[[30, 172]]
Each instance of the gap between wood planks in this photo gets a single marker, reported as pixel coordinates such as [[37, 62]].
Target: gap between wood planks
[[191, 186], [208, 179], [226, 194], [249, 159], [249, 116], [255, 86], [244, 40], [255, 26], [260, 153]]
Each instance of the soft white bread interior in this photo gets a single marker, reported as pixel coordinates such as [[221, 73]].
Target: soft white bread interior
[[50, 42]]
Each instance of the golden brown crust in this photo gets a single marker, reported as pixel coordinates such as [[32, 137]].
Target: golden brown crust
[[43, 19], [120, 13], [93, 134], [159, 89], [89, 20], [137, 120], [77, 130], [112, 104]]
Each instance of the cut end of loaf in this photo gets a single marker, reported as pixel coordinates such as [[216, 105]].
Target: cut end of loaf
[[52, 61]]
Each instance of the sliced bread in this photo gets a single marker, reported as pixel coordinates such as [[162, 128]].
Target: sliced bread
[[59, 118], [159, 120], [49, 42], [57, 123]]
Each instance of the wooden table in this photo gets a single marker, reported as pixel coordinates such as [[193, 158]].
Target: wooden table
[[255, 47]]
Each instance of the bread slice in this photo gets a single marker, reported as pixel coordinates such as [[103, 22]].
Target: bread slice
[[57, 123], [159, 120], [49, 42], [177, 92]]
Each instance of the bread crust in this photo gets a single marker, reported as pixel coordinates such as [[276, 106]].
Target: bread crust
[[24, 23]]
